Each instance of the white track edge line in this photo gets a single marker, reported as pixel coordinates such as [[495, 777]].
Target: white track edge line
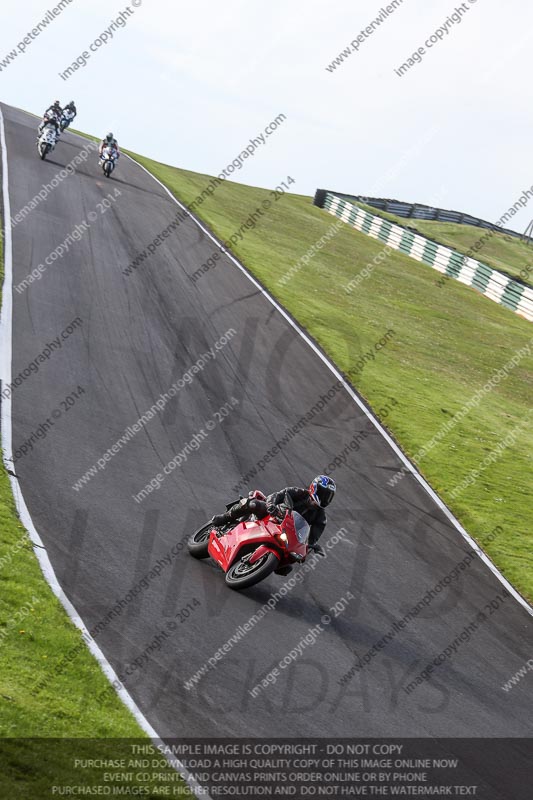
[[6, 330], [412, 469]]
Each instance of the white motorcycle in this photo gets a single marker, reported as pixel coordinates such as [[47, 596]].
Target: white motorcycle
[[47, 140], [66, 119], [108, 159]]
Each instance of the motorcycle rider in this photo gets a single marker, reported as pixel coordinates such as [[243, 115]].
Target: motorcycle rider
[[54, 110], [52, 113], [70, 111], [52, 121], [310, 503], [109, 141]]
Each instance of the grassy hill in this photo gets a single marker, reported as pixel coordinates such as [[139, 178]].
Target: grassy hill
[[447, 344]]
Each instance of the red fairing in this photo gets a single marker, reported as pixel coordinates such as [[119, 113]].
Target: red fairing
[[261, 551], [255, 548], [258, 537], [249, 532]]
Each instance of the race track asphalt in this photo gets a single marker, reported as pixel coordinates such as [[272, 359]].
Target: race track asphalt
[[139, 334]]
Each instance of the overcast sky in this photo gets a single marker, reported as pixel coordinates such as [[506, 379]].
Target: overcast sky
[[191, 84]]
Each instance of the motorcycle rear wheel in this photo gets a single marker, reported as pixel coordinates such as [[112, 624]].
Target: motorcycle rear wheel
[[199, 541], [241, 574]]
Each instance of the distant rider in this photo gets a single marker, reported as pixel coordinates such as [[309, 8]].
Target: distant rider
[[52, 123], [310, 503], [109, 141], [54, 110], [70, 111], [52, 114]]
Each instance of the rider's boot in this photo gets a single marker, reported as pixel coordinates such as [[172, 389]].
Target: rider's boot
[[232, 515]]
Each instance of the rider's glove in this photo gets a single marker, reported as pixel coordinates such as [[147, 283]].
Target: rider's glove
[[276, 513]]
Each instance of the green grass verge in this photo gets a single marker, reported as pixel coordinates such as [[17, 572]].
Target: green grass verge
[[502, 252], [446, 345], [78, 703]]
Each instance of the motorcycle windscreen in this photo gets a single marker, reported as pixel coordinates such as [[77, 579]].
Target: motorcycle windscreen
[[301, 527]]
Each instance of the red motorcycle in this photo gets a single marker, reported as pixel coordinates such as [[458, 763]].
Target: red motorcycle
[[250, 550]]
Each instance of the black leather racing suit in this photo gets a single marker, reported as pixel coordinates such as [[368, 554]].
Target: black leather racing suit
[[313, 514], [53, 111]]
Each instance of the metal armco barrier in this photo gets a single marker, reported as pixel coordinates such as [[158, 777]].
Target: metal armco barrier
[[417, 211]]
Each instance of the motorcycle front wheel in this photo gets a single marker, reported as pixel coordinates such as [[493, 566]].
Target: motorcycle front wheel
[[242, 574], [197, 544], [44, 150]]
